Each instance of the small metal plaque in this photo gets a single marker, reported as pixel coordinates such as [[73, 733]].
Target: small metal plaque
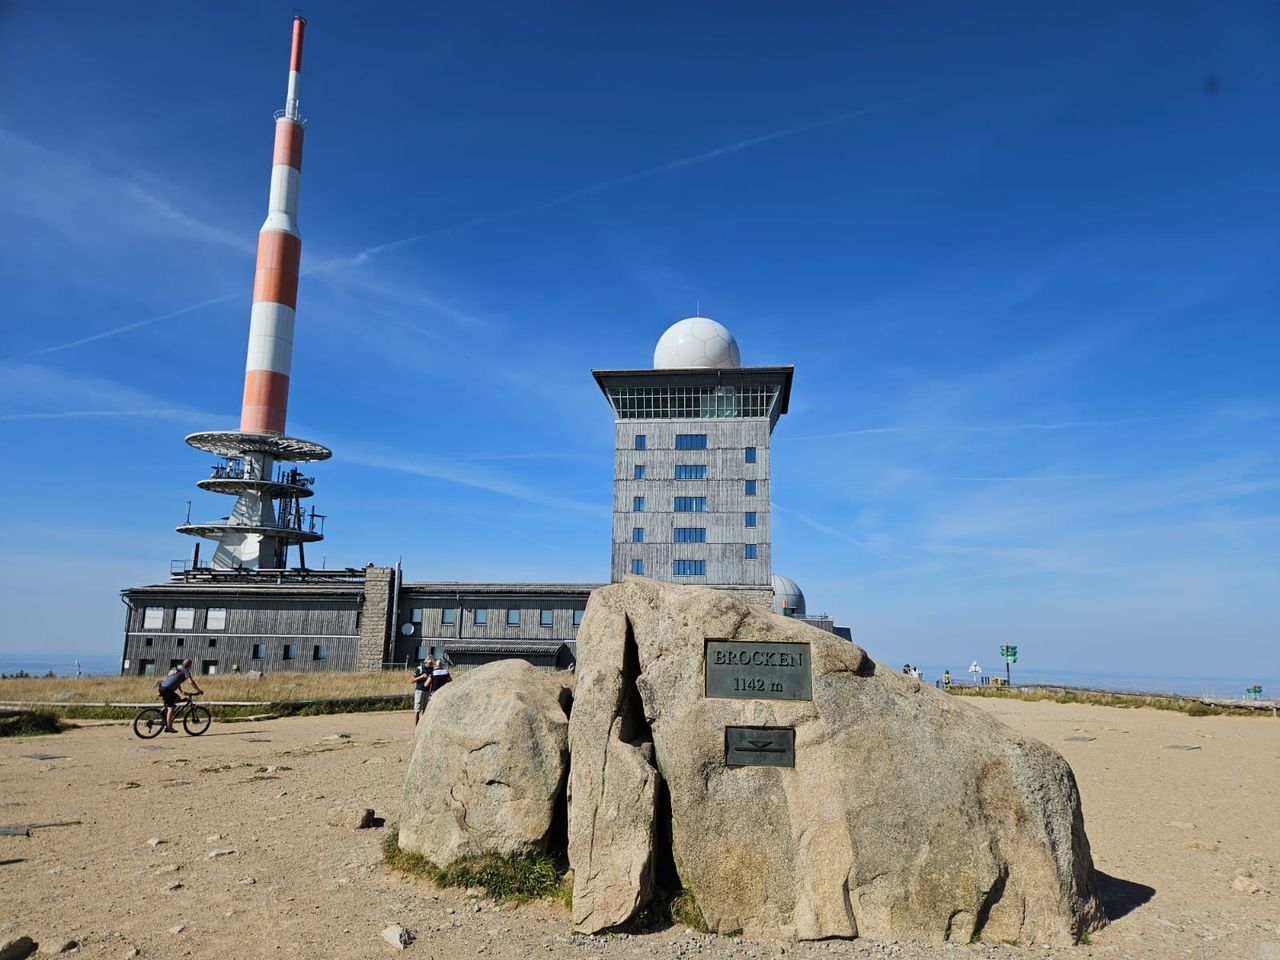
[[760, 746], [758, 671]]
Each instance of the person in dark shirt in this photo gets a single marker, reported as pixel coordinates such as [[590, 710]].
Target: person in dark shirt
[[171, 690], [421, 691], [439, 676]]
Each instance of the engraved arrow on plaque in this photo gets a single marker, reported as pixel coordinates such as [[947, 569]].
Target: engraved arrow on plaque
[[762, 746]]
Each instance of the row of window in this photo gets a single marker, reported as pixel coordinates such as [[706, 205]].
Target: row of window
[[290, 652], [691, 505], [691, 568], [688, 441], [184, 618], [693, 535], [695, 471], [449, 615]]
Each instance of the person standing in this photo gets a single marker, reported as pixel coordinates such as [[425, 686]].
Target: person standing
[[421, 680], [976, 672], [439, 676], [946, 679], [171, 690]]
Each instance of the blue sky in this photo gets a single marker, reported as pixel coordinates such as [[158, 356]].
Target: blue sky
[[1024, 259]]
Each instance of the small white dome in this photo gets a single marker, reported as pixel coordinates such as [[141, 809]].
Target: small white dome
[[788, 599], [696, 342]]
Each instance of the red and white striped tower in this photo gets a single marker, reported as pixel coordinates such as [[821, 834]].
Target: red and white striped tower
[[268, 517], [275, 283]]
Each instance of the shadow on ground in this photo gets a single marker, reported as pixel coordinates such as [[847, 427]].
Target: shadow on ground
[[1120, 897]]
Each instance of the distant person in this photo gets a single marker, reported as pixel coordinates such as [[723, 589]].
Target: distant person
[[421, 679], [439, 676], [171, 690], [946, 679], [976, 671], [906, 668]]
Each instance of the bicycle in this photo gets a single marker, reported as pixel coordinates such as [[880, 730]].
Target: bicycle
[[149, 722]]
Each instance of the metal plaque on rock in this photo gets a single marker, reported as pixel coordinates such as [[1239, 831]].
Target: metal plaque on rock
[[760, 746], [758, 671]]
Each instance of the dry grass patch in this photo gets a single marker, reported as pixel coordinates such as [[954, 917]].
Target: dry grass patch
[[271, 687]]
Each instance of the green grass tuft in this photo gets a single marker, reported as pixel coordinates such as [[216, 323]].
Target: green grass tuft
[[30, 723], [1190, 707], [518, 878], [685, 909]]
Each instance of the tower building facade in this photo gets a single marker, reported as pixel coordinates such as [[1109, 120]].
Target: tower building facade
[[691, 484]]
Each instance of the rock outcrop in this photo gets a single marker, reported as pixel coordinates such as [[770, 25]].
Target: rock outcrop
[[489, 764], [908, 814]]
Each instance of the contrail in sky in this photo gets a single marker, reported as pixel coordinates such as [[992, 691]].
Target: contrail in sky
[[364, 256], [605, 185], [135, 325]]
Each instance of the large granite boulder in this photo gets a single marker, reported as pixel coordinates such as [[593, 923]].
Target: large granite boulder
[[489, 764], [906, 815]]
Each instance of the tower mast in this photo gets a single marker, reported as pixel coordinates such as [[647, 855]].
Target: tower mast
[[268, 517]]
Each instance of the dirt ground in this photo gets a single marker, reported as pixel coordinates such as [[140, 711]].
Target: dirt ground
[[1179, 835]]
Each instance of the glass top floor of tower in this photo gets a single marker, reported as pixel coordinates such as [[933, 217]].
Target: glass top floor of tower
[[697, 393]]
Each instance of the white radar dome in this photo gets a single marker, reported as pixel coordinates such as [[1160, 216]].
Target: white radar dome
[[696, 342], [788, 599]]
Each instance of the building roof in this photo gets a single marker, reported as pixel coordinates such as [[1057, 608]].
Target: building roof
[[503, 646], [500, 589], [695, 377]]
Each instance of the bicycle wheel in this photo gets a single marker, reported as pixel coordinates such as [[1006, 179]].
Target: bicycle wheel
[[149, 722], [197, 720]]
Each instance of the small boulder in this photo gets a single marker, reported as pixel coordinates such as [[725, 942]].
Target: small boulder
[[217, 854], [489, 764], [397, 936], [351, 818], [17, 948]]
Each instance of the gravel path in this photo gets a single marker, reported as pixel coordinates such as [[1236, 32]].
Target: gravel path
[[222, 846]]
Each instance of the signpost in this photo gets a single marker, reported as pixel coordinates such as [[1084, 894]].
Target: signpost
[[1010, 654]]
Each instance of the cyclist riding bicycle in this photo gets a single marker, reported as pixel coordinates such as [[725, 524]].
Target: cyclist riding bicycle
[[171, 690]]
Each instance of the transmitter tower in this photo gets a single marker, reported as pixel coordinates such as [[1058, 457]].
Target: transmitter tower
[[257, 463]]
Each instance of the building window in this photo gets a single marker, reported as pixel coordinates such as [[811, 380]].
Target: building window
[[637, 567], [415, 615], [637, 534], [216, 618], [448, 616], [319, 652], [689, 568], [637, 504], [690, 504], [749, 518], [749, 551], [153, 618], [259, 652], [184, 618], [689, 535], [750, 453], [749, 488], [178, 642], [513, 618], [290, 651], [639, 441], [482, 617], [546, 618], [691, 441], [577, 618], [691, 471], [639, 471], [213, 643]]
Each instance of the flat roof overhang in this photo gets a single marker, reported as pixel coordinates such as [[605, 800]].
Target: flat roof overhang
[[700, 377]]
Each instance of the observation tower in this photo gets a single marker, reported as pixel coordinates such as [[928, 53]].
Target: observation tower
[[256, 463]]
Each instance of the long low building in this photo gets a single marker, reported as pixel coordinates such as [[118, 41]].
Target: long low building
[[353, 619]]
